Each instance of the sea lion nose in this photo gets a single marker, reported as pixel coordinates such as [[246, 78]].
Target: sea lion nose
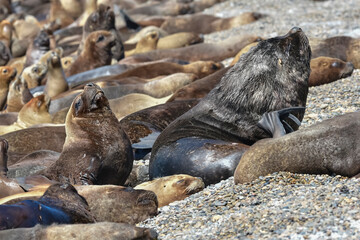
[[90, 85], [295, 30]]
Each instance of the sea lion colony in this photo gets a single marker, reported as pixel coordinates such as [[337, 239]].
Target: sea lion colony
[[138, 47]]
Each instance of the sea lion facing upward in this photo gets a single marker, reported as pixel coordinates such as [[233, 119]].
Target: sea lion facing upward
[[96, 53], [34, 74], [259, 83], [56, 82], [96, 149], [7, 74], [19, 94]]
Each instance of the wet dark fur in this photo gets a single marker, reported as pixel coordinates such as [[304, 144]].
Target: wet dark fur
[[39, 47], [96, 149], [271, 76]]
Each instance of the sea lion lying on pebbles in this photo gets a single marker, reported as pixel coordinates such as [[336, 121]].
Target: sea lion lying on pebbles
[[235, 113]]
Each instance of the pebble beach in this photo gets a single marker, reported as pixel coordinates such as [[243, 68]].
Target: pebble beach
[[281, 205]]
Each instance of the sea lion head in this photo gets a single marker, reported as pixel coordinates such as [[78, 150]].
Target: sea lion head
[[42, 41], [91, 100], [36, 111], [66, 62], [54, 60], [102, 19], [34, 74], [4, 146], [99, 43], [7, 74]]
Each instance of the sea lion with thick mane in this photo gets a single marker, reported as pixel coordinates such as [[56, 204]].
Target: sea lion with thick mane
[[61, 203], [7, 74], [96, 53], [209, 140], [173, 188], [328, 147], [96, 149], [205, 24]]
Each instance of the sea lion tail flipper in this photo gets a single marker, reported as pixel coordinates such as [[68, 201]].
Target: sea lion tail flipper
[[274, 122], [129, 22]]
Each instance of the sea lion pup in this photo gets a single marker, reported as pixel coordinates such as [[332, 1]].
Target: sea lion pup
[[168, 8], [146, 44], [34, 74], [342, 47], [96, 149], [36, 111], [178, 40], [202, 51], [205, 24], [56, 82], [7, 74], [39, 46], [103, 19], [326, 70], [66, 62], [19, 94], [226, 121], [96, 53], [328, 147], [199, 88], [7, 186], [59, 204], [100, 230], [173, 188], [143, 32]]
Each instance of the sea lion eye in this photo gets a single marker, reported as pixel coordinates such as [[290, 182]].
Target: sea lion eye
[[335, 64], [35, 70], [180, 181], [100, 38], [5, 71], [38, 104]]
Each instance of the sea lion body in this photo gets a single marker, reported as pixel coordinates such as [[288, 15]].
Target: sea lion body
[[329, 147], [7, 74], [56, 82], [173, 188], [96, 149], [257, 84], [177, 40]]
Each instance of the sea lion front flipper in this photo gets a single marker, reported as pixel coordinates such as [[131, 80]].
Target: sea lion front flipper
[[89, 175], [274, 122]]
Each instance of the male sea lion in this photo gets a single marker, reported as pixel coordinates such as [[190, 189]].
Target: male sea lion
[[96, 53], [326, 70], [209, 140], [100, 230], [34, 74], [328, 147], [7, 186], [36, 111], [173, 188], [342, 47], [202, 51], [205, 24], [7, 74], [96, 149], [56, 82], [59, 204]]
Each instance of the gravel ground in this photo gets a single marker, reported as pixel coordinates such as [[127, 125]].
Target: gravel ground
[[281, 205]]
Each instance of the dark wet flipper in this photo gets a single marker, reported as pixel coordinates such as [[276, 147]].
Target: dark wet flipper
[[287, 127], [271, 123]]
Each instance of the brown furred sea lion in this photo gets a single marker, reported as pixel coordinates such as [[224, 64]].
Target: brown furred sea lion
[[146, 44], [96, 53], [56, 82], [96, 149], [59, 204], [177, 40], [328, 147], [19, 94], [204, 23], [173, 188], [7, 74], [34, 74], [231, 116]]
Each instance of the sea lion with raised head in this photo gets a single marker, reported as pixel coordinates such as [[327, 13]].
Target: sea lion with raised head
[[328, 147], [173, 188], [96, 149], [56, 82], [7, 74], [239, 111], [34, 74], [96, 53], [59, 204], [19, 94], [205, 24]]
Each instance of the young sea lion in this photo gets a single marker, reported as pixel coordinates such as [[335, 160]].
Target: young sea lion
[[34, 74], [173, 188], [59, 204], [147, 43], [96, 53], [96, 149], [19, 94], [56, 82], [329, 147], [178, 40], [225, 122], [7, 74]]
